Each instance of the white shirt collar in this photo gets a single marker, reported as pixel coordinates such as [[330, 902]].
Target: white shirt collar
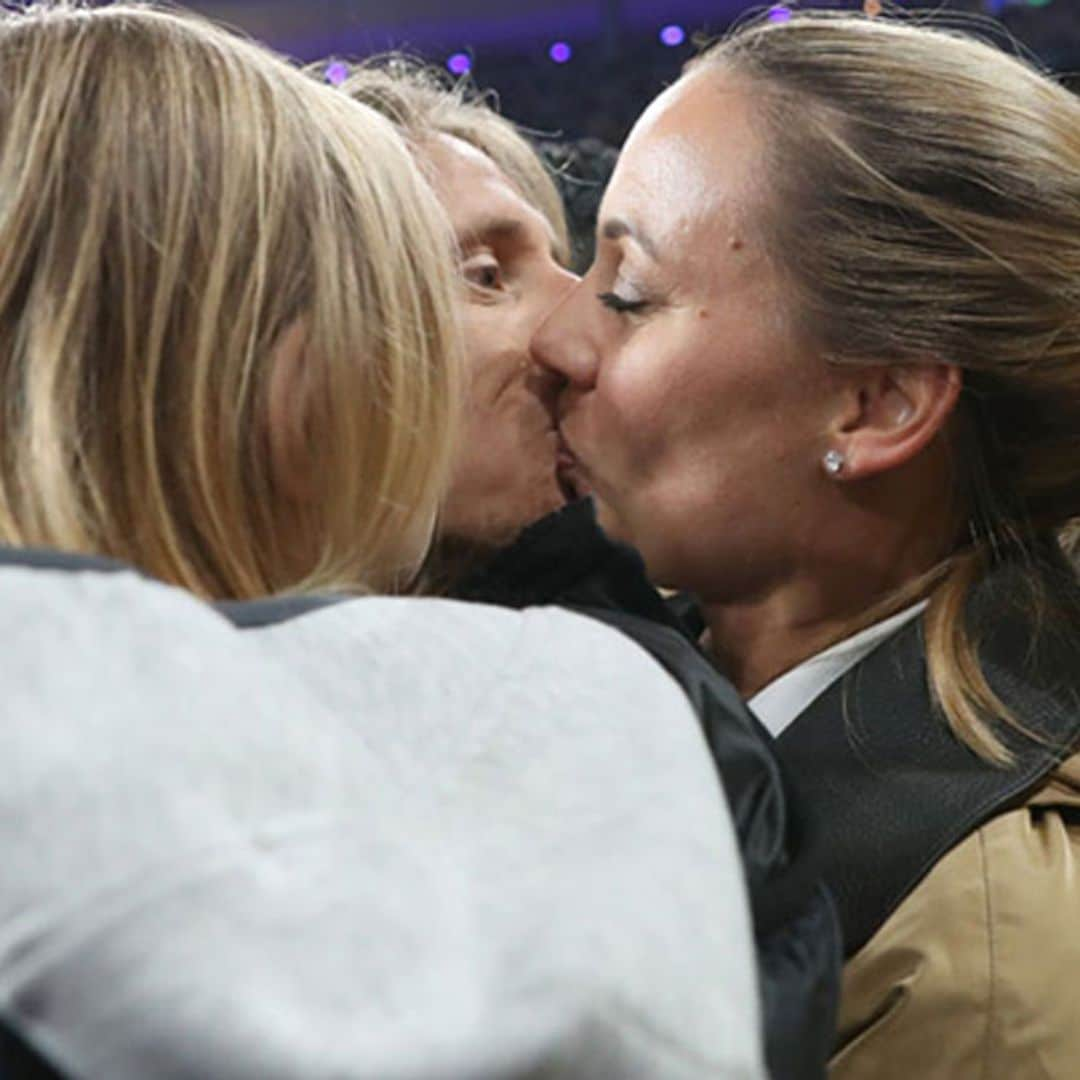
[[778, 704]]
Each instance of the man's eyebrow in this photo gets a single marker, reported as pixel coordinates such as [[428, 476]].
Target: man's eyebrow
[[618, 228], [490, 230]]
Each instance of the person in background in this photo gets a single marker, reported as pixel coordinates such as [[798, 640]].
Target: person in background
[[581, 169], [825, 374]]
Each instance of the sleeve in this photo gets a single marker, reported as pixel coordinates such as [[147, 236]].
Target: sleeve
[[966, 977], [566, 560]]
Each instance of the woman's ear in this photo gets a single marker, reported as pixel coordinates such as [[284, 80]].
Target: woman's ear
[[288, 413], [892, 413]]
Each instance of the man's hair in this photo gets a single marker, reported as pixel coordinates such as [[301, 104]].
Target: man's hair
[[423, 102]]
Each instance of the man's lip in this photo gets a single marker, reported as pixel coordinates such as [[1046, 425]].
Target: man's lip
[[571, 474], [565, 458]]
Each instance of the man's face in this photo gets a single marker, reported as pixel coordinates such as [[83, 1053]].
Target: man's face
[[505, 476]]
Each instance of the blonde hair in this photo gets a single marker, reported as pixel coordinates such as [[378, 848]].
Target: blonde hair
[[423, 103], [175, 200], [926, 206]]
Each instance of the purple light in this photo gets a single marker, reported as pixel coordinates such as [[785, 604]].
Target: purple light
[[560, 52], [336, 73], [779, 13], [460, 63], [672, 35]]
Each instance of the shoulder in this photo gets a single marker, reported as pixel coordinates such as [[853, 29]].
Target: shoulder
[[66, 609], [550, 655], [127, 645], [965, 977], [418, 769]]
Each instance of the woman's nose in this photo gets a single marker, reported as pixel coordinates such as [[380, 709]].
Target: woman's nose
[[561, 343]]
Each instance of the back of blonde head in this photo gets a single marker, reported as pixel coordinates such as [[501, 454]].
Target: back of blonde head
[[175, 200], [926, 207]]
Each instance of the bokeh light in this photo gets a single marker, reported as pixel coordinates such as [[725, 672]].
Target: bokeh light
[[560, 52], [672, 35], [336, 72], [459, 64]]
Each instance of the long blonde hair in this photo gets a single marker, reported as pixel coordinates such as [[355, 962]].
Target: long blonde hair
[[175, 201], [927, 207]]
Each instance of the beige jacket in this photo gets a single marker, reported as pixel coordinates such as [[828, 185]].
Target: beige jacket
[[977, 973]]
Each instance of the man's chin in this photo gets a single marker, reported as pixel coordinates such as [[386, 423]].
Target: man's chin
[[459, 553], [550, 496]]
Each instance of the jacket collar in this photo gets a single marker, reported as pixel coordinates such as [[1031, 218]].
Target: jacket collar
[[889, 789]]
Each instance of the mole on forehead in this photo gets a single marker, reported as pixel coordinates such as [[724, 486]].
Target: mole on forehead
[[661, 226], [674, 185]]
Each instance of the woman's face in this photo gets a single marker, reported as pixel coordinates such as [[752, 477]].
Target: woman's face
[[693, 412]]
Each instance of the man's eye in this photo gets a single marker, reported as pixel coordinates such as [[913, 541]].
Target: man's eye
[[621, 304], [483, 275]]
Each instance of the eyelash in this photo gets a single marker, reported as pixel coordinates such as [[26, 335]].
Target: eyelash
[[492, 269], [620, 305]]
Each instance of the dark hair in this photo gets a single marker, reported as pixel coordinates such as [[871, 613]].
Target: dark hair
[[582, 169]]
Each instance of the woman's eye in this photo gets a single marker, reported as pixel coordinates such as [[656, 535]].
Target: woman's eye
[[621, 304], [483, 275]]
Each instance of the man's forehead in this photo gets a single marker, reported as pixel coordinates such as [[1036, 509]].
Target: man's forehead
[[453, 160], [478, 197]]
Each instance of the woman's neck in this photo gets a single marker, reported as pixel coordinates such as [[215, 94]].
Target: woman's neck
[[876, 549], [756, 639], [755, 643]]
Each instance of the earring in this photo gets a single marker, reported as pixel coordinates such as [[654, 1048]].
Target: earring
[[834, 462]]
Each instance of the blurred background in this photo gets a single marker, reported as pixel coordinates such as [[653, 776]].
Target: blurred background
[[575, 68]]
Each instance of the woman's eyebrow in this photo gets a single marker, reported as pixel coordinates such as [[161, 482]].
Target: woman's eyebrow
[[618, 228]]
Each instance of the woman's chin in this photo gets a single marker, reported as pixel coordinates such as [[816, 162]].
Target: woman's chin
[[610, 521]]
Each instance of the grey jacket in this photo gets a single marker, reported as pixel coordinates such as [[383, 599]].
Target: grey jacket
[[392, 838]]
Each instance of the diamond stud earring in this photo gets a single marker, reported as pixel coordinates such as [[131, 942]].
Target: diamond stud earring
[[834, 462]]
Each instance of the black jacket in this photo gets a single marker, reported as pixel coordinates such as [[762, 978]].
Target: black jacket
[[885, 784], [566, 559]]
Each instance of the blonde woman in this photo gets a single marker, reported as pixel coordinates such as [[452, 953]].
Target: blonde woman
[[825, 374], [391, 837], [226, 338]]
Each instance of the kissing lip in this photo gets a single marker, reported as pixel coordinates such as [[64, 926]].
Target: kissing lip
[[564, 456], [571, 474]]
